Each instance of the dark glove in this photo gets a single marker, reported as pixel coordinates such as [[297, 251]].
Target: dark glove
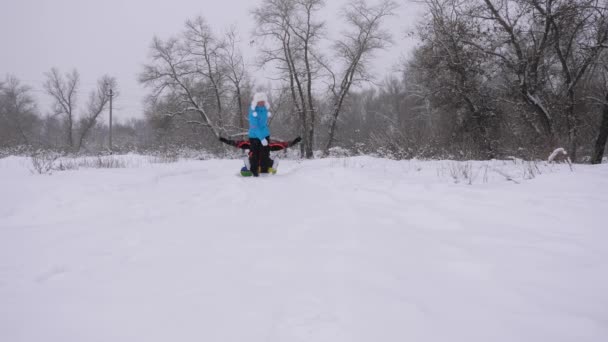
[[228, 142], [295, 141]]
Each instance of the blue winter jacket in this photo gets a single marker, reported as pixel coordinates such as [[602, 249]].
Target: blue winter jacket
[[258, 122]]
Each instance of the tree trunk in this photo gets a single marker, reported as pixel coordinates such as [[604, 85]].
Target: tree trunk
[[311, 137], [69, 132], [311, 108], [344, 89], [333, 123], [20, 128], [297, 92], [572, 126], [600, 144], [81, 138], [239, 100]]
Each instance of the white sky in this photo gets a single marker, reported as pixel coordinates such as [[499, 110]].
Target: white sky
[[113, 37]]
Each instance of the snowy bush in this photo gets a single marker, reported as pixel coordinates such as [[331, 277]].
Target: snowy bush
[[462, 171], [43, 162], [512, 170], [560, 156], [339, 152], [107, 163], [164, 159], [530, 170], [100, 162], [17, 151]]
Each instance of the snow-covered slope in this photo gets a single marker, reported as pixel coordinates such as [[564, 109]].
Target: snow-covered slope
[[356, 249]]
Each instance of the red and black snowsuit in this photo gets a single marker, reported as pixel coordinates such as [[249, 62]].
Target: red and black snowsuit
[[259, 154], [273, 145]]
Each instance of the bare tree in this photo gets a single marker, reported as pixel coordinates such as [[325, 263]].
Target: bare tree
[[205, 50], [64, 92], [17, 113], [354, 49], [98, 101], [455, 77], [511, 32], [272, 19], [236, 72], [172, 73], [191, 77], [580, 33], [291, 26], [529, 57], [601, 75], [600, 144]]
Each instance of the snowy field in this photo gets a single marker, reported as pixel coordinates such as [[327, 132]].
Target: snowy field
[[354, 249]]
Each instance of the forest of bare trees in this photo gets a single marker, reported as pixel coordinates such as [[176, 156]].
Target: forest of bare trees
[[487, 79], [512, 77]]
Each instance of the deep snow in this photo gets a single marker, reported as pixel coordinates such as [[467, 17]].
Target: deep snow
[[353, 249]]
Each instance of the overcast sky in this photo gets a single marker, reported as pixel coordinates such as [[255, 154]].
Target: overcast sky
[[113, 37]]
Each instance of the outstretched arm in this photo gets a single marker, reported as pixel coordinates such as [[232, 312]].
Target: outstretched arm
[[274, 145], [242, 144], [295, 141], [281, 145]]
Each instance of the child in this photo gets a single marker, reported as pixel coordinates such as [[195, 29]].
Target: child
[[259, 134]]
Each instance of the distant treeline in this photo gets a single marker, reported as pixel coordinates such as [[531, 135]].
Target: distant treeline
[[488, 79]]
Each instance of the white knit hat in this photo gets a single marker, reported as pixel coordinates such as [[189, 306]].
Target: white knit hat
[[259, 97]]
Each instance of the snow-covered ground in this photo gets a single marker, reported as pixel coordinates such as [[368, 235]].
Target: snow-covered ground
[[354, 249]]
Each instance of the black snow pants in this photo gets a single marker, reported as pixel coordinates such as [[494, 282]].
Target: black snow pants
[[259, 156]]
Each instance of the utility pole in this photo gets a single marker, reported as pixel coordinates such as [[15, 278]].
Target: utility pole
[[111, 96]]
